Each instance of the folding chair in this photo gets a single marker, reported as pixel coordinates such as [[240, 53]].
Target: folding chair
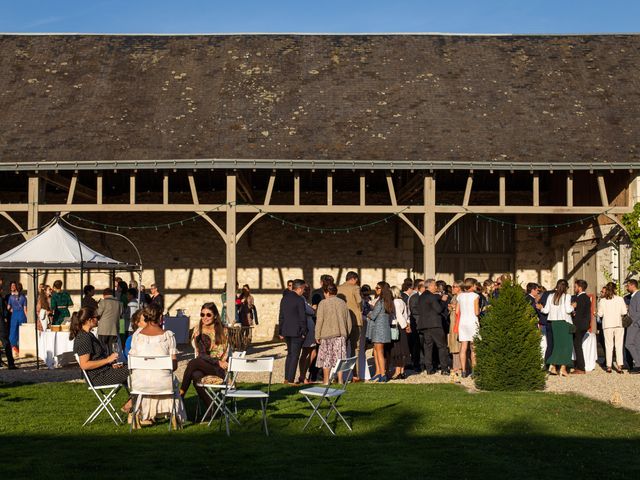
[[105, 394], [216, 393], [331, 395], [249, 365], [151, 363]]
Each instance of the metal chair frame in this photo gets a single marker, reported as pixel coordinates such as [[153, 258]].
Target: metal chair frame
[[331, 395], [104, 397]]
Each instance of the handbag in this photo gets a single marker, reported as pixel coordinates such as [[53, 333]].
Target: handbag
[[395, 333], [626, 321]]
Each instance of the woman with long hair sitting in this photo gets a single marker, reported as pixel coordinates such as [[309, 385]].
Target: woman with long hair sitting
[[94, 359], [210, 344]]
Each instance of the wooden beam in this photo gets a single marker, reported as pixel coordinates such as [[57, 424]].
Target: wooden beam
[[569, 190], [467, 191], [502, 188], [329, 188], [132, 188], [194, 190], [63, 182], [296, 188], [15, 224], [363, 189], [272, 182], [245, 190], [444, 229], [536, 190], [429, 227], [165, 189], [72, 188], [99, 189], [604, 199], [392, 190], [394, 202], [33, 192], [230, 263], [355, 209]]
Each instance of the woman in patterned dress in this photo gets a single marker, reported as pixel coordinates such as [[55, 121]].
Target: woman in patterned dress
[[210, 344], [333, 325]]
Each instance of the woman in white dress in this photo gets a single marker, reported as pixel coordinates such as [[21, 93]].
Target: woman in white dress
[[468, 308], [152, 340]]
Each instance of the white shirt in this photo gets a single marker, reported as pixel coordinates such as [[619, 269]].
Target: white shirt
[[402, 312], [562, 311]]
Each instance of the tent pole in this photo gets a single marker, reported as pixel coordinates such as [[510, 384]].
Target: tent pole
[[36, 315]]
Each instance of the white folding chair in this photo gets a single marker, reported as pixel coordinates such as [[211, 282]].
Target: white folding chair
[[216, 393], [248, 365], [105, 394], [151, 363], [331, 395]]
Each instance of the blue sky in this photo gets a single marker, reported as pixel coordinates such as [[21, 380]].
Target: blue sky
[[212, 16]]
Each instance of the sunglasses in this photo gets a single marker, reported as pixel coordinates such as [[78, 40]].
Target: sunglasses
[[206, 315]]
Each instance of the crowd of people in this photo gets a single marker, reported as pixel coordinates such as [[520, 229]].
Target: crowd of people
[[427, 325]]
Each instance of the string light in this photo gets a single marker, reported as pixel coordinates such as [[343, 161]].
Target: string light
[[347, 229]]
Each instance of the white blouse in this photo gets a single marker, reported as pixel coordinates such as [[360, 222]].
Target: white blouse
[[402, 313], [562, 311]]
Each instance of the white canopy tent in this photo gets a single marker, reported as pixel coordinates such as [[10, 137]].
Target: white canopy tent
[[57, 248]]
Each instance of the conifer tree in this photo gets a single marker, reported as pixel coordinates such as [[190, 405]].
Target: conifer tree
[[508, 351]]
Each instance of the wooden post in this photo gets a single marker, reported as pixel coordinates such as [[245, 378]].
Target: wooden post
[[429, 227], [165, 189], [536, 190], [569, 190], [363, 189], [231, 249], [99, 188], [132, 188], [329, 188], [502, 190], [33, 223], [296, 188]]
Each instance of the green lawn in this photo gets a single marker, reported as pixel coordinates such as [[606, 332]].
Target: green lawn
[[400, 431]]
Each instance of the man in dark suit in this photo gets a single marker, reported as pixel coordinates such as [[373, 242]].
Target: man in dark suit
[[415, 346], [633, 331], [533, 289], [430, 329], [292, 327], [581, 321]]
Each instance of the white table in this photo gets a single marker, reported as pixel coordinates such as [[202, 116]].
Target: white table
[[179, 326], [55, 348]]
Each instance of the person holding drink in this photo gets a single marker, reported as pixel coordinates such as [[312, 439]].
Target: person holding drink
[[101, 367]]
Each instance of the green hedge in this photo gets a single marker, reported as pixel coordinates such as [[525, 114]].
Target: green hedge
[[508, 345]]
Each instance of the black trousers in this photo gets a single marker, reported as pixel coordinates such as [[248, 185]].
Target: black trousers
[[294, 347], [415, 346], [4, 338], [429, 337], [577, 348]]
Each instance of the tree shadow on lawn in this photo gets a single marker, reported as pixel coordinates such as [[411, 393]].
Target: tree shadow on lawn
[[386, 451]]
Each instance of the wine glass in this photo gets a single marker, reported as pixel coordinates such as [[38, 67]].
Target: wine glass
[[115, 348]]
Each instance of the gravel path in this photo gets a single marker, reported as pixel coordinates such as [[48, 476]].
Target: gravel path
[[622, 390]]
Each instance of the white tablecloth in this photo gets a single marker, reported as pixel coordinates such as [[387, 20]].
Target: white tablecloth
[[179, 326], [55, 348]]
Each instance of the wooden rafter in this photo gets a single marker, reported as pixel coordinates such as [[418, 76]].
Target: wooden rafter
[[202, 213], [394, 202]]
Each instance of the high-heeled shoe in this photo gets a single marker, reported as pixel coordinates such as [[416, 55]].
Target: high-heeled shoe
[[552, 370], [563, 372], [375, 378]]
